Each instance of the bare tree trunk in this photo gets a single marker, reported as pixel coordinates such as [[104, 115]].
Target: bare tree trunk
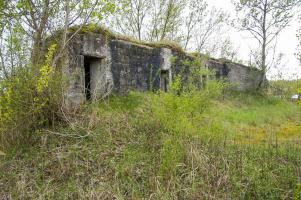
[[167, 19], [263, 50], [66, 23], [3, 68], [64, 34], [139, 21], [188, 34], [38, 35]]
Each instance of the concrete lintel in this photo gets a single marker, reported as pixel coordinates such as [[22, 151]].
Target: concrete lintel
[[94, 55]]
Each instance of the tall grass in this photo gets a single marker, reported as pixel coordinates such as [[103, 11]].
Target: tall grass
[[161, 146]]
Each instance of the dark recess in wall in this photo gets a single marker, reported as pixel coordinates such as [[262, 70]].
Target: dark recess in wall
[[87, 66], [164, 80]]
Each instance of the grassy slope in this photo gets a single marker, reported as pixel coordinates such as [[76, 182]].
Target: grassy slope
[[242, 147], [255, 119]]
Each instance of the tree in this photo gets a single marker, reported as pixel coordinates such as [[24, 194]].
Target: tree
[[197, 11], [209, 28], [39, 19], [131, 18], [165, 20], [151, 20], [298, 53], [31, 88], [264, 19], [171, 19], [228, 51], [14, 43], [192, 23]]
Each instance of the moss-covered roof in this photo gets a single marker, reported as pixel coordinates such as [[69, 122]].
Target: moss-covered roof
[[93, 28]]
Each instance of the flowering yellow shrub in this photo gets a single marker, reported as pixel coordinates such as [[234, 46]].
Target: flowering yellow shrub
[[46, 70], [24, 99]]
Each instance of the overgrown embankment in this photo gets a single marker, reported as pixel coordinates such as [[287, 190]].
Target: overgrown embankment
[[197, 145]]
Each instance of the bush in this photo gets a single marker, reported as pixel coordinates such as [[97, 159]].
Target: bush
[[285, 89], [29, 99], [178, 111]]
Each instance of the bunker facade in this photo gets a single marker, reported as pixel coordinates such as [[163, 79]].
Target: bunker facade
[[97, 66]]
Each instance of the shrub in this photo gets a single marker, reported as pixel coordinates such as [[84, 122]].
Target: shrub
[[178, 111], [285, 89], [28, 100]]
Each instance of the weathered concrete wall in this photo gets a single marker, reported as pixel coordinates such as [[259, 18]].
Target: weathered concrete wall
[[95, 48], [119, 66], [73, 70], [134, 67], [243, 78]]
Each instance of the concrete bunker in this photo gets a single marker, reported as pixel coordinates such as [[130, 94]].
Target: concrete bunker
[[97, 66]]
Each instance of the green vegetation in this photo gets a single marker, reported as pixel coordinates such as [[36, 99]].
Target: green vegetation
[[95, 28], [195, 145], [285, 88], [29, 99], [184, 144], [196, 141]]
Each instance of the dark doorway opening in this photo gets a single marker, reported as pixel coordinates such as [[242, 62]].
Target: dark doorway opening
[[87, 64], [164, 80], [93, 75]]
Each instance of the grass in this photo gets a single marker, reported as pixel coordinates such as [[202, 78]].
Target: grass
[[241, 146], [257, 119]]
